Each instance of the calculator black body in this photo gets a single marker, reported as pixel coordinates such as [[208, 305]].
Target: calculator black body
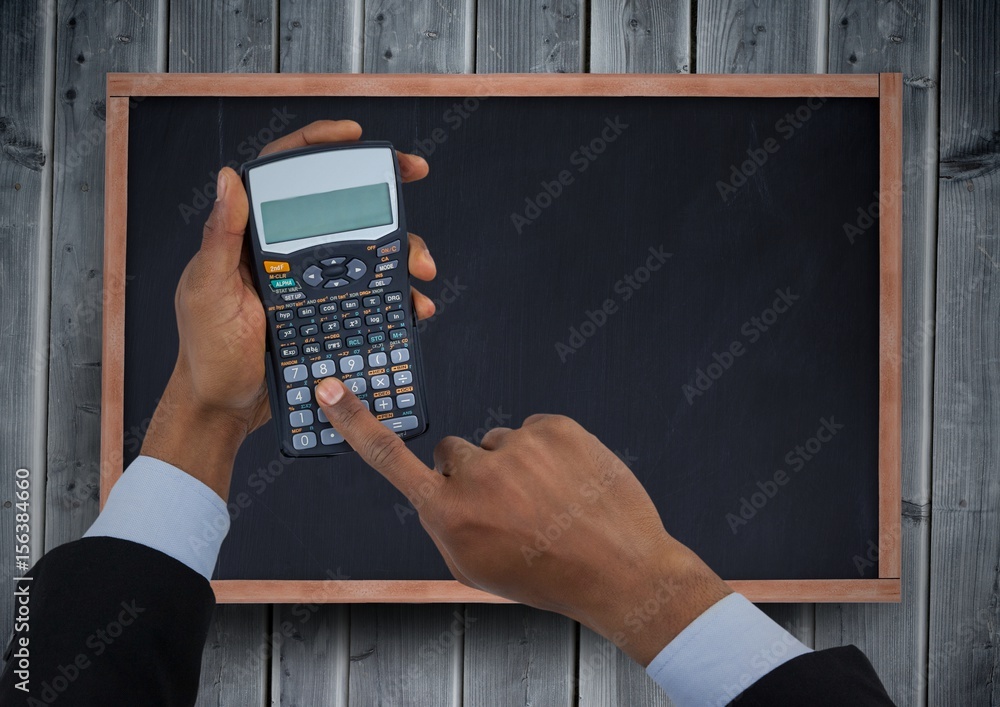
[[341, 307]]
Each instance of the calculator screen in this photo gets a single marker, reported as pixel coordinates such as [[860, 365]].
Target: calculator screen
[[326, 213]]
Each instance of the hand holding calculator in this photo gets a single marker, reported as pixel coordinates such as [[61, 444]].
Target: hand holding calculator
[[328, 238]]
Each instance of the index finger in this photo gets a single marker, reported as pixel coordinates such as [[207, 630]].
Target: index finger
[[411, 167], [379, 446]]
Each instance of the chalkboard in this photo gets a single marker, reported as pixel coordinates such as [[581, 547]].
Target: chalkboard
[[694, 279]]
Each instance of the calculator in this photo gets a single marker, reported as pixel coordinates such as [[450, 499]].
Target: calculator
[[328, 237]]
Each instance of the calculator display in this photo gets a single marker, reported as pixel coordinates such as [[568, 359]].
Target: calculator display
[[326, 213]]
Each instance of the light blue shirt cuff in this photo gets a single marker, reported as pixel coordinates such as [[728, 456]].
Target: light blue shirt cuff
[[157, 505], [720, 654]]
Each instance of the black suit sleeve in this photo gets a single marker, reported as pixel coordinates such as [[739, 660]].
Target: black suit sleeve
[[829, 678], [110, 622]]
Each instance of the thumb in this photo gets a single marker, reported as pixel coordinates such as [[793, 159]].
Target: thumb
[[379, 446], [222, 239]]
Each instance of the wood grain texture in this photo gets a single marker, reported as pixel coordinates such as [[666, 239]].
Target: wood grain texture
[[767, 86], [25, 192], [91, 41], [320, 36], [312, 665], [965, 535], [231, 36], [886, 36], [530, 37], [760, 36], [606, 676], [418, 36], [236, 661], [640, 36], [403, 654], [516, 655]]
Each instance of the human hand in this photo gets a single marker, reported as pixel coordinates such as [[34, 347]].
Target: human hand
[[545, 515], [217, 394]]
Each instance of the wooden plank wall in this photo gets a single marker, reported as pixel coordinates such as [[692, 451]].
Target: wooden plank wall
[[936, 647]]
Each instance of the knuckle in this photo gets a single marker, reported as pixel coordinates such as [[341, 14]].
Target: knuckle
[[380, 449]]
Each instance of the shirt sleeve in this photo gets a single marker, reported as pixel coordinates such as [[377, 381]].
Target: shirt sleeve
[[157, 505], [721, 653]]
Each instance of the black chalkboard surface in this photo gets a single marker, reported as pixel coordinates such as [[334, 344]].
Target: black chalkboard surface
[[689, 278]]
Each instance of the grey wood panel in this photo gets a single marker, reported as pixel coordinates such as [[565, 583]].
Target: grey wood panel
[[867, 38], [609, 677], [516, 655], [418, 36], [760, 37], [235, 664], [640, 36], [91, 41], [232, 36], [312, 666], [965, 535], [406, 654], [25, 190], [530, 36], [318, 36]]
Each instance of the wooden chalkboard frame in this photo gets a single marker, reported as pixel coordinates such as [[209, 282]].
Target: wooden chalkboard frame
[[124, 88]]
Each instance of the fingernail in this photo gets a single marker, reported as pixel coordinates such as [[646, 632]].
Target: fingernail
[[220, 187], [329, 391]]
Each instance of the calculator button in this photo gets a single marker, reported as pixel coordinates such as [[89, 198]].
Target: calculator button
[[333, 261], [372, 301], [356, 385], [355, 341], [321, 416], [286, 334], [308, 330], [328, 308], [352, 323], [376, 360], [334, 271], [381, 282], [400, 355], [310, 349], [349, 304], [304, 440], [273, 266], [388, 248], [380, 382], [350, 364], [383, 404], [322, 369], [401, 424], [382, 267], [309, 311], [394, 298], [396, 316], [373, 319], [283, 315], [292, 296], [402, 377], [282, 283], [290, 351], [376, 337], [331, 326], [298, 396], [405, 401], [313, 276], [333, 345], [356, 269], [339, 282], [294, 374], [397, 334], [301, 418], [330, 436]]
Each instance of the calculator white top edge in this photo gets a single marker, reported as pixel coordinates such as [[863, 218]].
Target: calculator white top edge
[[319, 172]]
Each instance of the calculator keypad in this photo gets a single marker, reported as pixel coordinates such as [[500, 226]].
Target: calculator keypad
[[359, 334]]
